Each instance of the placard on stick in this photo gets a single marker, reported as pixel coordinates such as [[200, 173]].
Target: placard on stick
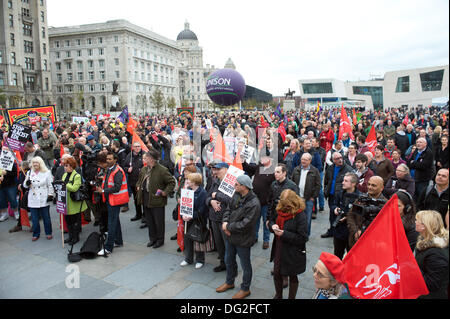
[[187, 202], [227, 184]]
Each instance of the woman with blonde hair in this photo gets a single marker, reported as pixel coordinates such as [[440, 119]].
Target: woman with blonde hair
[[432, 253], [290, 227], [39, 181]]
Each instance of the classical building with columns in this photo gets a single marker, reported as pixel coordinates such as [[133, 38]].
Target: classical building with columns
[[25, 77]]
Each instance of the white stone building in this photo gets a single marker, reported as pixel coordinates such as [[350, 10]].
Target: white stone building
[[25, 76], [86, 60]]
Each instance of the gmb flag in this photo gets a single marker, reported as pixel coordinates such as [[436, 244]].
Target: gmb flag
[[381, 265]]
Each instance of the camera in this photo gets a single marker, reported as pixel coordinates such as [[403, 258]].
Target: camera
[[368, 208], [341, 214]]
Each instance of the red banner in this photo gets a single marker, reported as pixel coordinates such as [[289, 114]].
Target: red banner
[[33, 114]]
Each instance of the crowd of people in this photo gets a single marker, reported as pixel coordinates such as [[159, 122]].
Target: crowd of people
[[299, 166]]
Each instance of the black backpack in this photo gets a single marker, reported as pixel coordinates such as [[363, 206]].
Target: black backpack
[[93, 244]]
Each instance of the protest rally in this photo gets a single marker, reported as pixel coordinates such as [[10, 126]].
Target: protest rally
[[132, 167], [239, 175]]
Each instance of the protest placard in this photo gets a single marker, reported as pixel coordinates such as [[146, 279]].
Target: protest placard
[[18, 136], [208, 124], [230, 144], [247, 153], [61, 197], [227, 184], [187, 202], [80, 119], [6, 160]]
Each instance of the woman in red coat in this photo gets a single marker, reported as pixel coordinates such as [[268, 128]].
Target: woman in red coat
[[326, 137]]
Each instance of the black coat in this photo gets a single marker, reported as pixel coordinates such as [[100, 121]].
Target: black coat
[[422, 166], [402, 142], [241, 216], [442, 156], [136, 162], [261, 182], [275, 191], [432, 259], [339, 179], [312, 184], [221, 197], [293, 244], [431, 200]]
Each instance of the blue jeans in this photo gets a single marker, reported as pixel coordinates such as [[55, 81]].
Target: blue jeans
[[114, 229], [321, 196], [44, 213], [309, 210], [230, 261], [266, 232], [8, 195]]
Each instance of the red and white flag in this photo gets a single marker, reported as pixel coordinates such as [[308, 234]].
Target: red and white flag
[[381, 265], [344, 125], [371, 139], [406, 120]]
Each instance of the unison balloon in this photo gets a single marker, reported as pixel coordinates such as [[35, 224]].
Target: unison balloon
[[225, 87]]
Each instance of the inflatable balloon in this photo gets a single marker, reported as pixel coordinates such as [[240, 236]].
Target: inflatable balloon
[[225, 87]]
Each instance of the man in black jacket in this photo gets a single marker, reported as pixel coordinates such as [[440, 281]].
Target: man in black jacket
[[435, 197], [278, 186], [307, 177], [263, 176], [333, 185], [217, 202], [238, 224], [421, 164], [132, 166]]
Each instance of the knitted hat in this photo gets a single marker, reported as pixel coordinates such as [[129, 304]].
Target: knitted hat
[[333, 264]]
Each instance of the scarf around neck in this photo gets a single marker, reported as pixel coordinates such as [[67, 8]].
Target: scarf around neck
[[283, 217]]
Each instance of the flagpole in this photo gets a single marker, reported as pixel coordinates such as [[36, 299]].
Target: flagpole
[[62, 229]]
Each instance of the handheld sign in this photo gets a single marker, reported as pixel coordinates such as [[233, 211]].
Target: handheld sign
[[18, 136], [187, 202], [247, 153], [61, 197], [227, 184], [6, 160]]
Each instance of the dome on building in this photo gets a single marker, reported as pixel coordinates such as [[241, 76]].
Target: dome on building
[[186, 34], [230, 64]]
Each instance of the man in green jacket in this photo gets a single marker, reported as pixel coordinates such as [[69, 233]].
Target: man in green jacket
[[155, 183]]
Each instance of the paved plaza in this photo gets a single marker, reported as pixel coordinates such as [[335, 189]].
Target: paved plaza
[[40, 269]]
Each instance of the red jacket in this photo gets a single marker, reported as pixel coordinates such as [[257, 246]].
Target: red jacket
[[326, 139]]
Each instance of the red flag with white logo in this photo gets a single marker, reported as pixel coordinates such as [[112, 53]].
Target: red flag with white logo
[[406, 120], [371, 140], [381, 265], [344, 125]]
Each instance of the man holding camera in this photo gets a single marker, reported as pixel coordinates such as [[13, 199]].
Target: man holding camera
[[342, 204], [358, 222]]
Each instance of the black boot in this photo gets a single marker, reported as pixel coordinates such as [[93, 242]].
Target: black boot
[[70, 231], [293, 287], [278, 288]]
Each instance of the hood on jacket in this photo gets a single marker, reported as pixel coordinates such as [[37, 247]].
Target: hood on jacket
[[402, 133], [436, 242]]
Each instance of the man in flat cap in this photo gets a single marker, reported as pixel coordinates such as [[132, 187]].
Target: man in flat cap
[[238, 224]]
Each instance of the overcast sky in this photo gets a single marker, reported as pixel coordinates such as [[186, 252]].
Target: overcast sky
[[276, 43]]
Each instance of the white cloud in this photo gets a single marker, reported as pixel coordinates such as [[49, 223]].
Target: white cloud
[[274, 44]]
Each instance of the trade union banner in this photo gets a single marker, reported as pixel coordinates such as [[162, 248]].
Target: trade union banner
[[34, 114], [189, 111]]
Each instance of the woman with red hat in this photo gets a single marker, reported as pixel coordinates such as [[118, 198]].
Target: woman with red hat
[[290, 227], [327, 275]]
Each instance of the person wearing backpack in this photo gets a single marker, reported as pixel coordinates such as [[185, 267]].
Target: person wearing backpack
[[73, 181]]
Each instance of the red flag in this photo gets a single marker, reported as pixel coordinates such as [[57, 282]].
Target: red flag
[[180, 231], [406, 120], [131, 126], [61, 150], [136, 138], [381, 265], [24, 219], [344, 125], [93, 123], [282, 131], [263, 122], [220, 151], [237, 161], [371, 140], [355, 119]]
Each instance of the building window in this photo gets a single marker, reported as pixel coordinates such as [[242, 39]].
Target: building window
[[80, 88], [79, 53], [79, 65], [101, 63], [59, 77], [116, 49], [91, 75], [69, 77], [44, 48], [69, 65], [69, 88], [30, 82], [42, 16], [80, 76], [46, 84], [78, 42], [117, 74], [57, 44], [116, 61], [14, 79], [402, 84], [25, 12], [102, 75], [90, 64], [10, 5], [67, 43], [29, 63], [1, 57], [59, 88], [102, 87], [11, 21], [89, 41], [375, 91], [116, 38], [2, 80], [100, 51], [12, 39], [91, 87], [27, 29], [45, 65], [317, 88], [58, 66], [67, 54], [57, 55], [432, 81], [28, 46], [100, 40], [90, 52], [43, 32]]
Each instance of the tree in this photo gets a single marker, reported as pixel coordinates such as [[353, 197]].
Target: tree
[[171, 104], [2, 98], [157, 99]]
